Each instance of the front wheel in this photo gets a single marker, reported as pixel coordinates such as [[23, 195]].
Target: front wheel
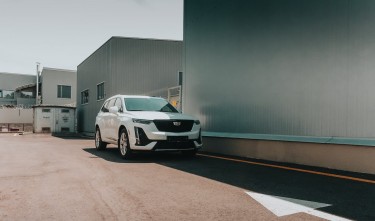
[[99, 144], [123, 144]]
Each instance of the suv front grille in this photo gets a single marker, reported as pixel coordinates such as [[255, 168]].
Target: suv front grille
[[166, 145], [176, 126]]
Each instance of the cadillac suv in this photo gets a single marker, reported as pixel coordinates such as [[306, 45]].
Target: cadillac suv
[[142, 123]]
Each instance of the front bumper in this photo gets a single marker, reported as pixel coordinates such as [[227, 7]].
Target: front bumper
[[144, 139]]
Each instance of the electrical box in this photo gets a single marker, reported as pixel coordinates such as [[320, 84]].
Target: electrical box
[[54, 119]]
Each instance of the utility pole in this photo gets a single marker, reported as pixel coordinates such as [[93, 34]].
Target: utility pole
[[37, 82]]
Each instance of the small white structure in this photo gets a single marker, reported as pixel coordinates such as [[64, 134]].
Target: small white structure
[[53, 119]]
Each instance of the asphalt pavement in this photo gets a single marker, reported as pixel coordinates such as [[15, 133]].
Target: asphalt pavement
[[49, 178]]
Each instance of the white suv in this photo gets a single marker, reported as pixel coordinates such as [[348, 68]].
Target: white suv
[[142, 123]]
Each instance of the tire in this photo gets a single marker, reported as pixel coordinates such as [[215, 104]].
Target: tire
[[123, 144], [99, 144], [190, 153]]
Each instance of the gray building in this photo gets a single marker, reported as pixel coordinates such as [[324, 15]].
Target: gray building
[[58, 86], [257, 73], [17, 89], [125, 66]]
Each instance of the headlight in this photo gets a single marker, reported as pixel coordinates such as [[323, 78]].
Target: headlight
[[197, 122], [142, 121]]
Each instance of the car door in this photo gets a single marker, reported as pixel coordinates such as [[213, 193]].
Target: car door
[[111, 122], [115, 122], [107, 117], [101, 118]]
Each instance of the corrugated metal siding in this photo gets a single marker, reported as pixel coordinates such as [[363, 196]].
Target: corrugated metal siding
[[94, 70], [292, 67], [127, 66]]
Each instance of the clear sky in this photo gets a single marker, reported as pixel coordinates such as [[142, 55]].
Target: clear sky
[[62, 33]]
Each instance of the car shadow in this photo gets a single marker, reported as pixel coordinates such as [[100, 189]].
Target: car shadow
[[111, 154], [347, 198]]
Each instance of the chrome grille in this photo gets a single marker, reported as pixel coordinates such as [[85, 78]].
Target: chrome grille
[[176, 126]]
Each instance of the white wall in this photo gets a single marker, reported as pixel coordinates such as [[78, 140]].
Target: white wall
[[10, 115], [53, 77]]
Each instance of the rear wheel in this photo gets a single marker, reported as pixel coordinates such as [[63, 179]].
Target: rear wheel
[[123, 144], [99, 144]]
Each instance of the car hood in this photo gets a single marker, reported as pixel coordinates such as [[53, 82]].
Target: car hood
[[154, 115]]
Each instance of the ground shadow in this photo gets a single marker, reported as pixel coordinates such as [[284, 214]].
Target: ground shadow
[[112, 154], [349, 199]]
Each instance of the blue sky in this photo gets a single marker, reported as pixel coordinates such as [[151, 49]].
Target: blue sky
[[62, 33]]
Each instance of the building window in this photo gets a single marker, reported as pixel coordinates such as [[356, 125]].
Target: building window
[[100, 91], [46, 110], [64, 91], [65, 111], [6, 94], [26, 94], [85, 97]]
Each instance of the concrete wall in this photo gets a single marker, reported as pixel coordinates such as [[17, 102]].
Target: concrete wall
[[51, 78], [341, 157], [126, 66], [26, 101], [4, 101], [17, 115]]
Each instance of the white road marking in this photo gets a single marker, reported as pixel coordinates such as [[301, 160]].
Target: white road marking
[[282, 206]]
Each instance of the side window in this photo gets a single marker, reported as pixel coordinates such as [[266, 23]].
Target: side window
[[85, 96], [100, 91], [64, 91], [111, 103], [119, 104], [6, 94], [105, 107]]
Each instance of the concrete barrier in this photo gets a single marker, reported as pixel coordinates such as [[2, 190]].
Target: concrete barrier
[[341, 157]]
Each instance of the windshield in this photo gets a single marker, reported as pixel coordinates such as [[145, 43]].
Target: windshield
[[148, 104]]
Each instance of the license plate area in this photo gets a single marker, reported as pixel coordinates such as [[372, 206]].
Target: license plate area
[[177, 139]]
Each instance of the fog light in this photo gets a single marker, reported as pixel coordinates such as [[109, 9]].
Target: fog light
[[137, 141], [141, 138]]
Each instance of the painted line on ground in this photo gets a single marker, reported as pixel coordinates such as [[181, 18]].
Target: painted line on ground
[[292, 168]]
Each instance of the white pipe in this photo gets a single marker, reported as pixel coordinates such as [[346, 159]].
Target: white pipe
[[37, 83]]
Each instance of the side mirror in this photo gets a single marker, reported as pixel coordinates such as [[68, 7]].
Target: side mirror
[[113, 110]]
